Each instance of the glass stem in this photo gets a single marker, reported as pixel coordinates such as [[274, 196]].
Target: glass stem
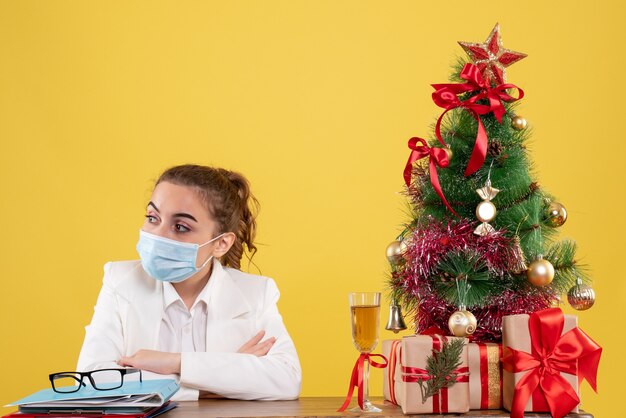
[[366, 382]]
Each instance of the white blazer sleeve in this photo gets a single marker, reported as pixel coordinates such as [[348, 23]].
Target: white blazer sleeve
[[275, 376], [104, 341]]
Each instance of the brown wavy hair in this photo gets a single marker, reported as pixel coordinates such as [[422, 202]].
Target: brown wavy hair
[[227, 196]]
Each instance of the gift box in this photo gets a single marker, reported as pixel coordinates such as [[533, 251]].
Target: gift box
[[410, 377], [545, 357], [391, 351], [485, 379]]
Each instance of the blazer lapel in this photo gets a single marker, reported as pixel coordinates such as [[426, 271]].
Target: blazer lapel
[[144, 311], [228, 322], [225, 300]]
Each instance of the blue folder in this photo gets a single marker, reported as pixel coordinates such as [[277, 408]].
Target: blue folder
[[131, 396]]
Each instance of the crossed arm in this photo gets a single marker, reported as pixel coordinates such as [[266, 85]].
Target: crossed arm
[[162, 362]]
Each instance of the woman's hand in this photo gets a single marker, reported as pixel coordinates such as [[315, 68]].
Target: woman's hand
[[154, 361], [254, 346]]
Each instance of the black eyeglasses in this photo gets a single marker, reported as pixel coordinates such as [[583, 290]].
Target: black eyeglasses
[[103, 379]]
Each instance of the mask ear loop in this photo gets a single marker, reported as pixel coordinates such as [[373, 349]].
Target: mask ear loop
[[212, 239], [205, 263], [211, 257]]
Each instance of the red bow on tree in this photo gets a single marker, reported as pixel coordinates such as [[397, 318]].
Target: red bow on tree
[[438, 157], [552, 353], [445, 96]]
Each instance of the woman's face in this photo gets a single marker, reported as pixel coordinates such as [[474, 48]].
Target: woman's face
[[178, 213]]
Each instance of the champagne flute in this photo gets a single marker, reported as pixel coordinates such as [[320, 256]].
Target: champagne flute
[[365, 312]]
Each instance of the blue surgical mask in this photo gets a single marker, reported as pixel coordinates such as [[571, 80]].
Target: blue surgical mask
[[168, 260]]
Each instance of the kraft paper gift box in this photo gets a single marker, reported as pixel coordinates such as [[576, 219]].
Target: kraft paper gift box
[[515, 334], [485, 380], [391, 351], [415, 350], [545, 357]]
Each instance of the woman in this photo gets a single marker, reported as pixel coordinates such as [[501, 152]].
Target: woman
[[185, 310]]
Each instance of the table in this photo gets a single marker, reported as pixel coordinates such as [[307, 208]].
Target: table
[[309, 407]]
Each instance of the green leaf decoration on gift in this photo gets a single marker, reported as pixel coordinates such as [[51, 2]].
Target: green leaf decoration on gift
[[441, 368]]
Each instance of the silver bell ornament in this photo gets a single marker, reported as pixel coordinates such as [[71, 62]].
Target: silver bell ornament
[[396, 321]]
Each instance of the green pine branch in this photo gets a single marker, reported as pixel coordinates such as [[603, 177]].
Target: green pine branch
[[441, 368], [468, 267], [566, 269]]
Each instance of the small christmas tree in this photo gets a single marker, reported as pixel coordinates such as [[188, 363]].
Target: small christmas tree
[[457, 265]]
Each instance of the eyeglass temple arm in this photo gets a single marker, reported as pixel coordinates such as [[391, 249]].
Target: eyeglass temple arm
[[135, 371]]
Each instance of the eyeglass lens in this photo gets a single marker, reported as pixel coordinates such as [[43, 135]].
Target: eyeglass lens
[[66, 382], [106, 379]]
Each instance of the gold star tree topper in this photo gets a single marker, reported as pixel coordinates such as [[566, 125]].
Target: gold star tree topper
[[490, 57]]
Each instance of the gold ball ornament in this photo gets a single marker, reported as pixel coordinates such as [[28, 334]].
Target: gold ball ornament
[[449, 153], [518, 123], [556, 214], [581, 297], [540, 272], [485, 211], [462, 323], [395, 250]]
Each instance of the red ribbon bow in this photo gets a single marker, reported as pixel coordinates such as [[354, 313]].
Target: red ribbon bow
[[573, 352], [445, 96], [356, 381], [438, 157]]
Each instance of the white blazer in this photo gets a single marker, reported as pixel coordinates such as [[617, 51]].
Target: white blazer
[[128, 316]]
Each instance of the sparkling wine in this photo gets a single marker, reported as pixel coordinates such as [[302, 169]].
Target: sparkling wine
[[365, 322]]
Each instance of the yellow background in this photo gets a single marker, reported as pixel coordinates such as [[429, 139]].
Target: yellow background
[[314, 102]]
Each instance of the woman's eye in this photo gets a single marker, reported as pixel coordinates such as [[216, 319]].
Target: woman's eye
[[181, 228], [151, 219]]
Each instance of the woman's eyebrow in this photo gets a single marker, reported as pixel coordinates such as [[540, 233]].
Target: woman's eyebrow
[[184, 215], [176, 215]]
